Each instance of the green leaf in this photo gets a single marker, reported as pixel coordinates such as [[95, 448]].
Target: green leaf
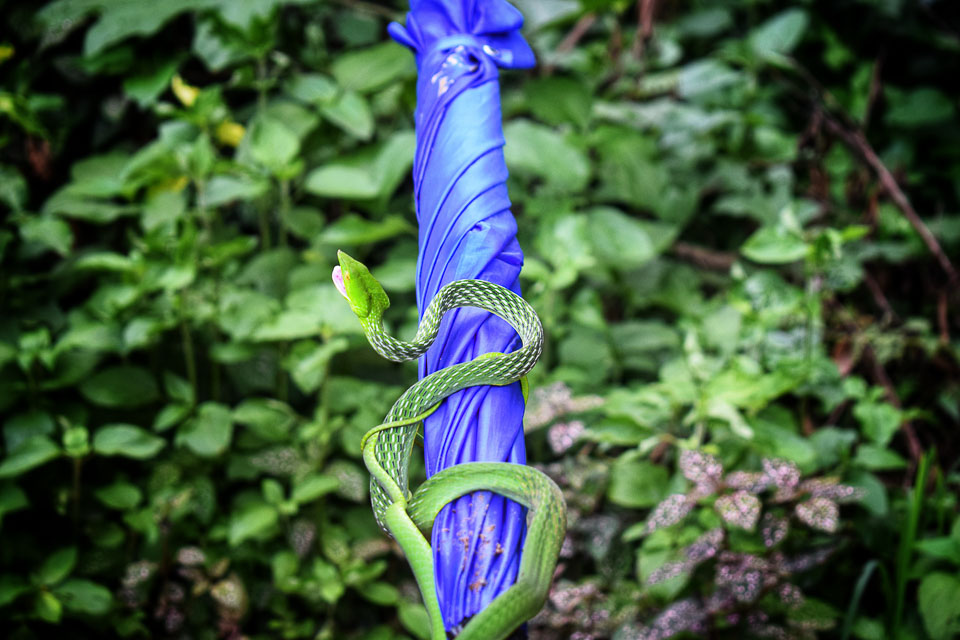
[[162, 209], [312, 88], [91, 336], [147, 85], [636, 483], [774, 245], [13, 188], [876, 458], [305, 222], [56, 567], [119, 495], [228, 188], [779, 35], [170, 416], [557, 100], [21, 427], [99, 176], [177, 388], [941, 548], [372, 173], [874, 492], [70, 202], [219, 46], [105, 261], [285, 566], [314, 486], [272, 144], [351, 112], [939, 597], [381, 593], [12, 498], [34, 452], [291, 324], [880, 421], [47, 607], [244, 14], [706, 22], [269, 419], [120, 20], [299, 120], [84, 596], [619, 241], [11, 587], [919, 108], [76, 442], [352, 230], [253, 520], [127, 440], [121, 387], [209, 432], [269, 273], [541, 151], [48, 233], [373, 67], [272, 491], [328, 582], [307, 362], [415, 619], [703, 77]]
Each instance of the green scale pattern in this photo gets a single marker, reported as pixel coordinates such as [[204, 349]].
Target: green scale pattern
[[409, 518], [394, 445]]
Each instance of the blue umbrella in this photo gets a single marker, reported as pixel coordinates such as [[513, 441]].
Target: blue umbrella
[[467, 231]]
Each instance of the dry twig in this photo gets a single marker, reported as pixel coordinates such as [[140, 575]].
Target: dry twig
[[579, 30], [646, 10], [881, 377], [858, 143], [703, 257]]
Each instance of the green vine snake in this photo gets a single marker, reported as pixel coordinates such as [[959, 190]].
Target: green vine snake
[[409, 517]]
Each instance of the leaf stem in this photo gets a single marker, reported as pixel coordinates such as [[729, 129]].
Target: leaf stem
[[189, 356]]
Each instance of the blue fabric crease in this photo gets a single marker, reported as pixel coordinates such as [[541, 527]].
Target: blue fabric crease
[[466, 230]]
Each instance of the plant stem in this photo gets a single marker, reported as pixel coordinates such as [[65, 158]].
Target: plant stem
[[907, 539], [283, 390], [283, 211], [188, 354], [264, 229], [75, 497], [261, 84]]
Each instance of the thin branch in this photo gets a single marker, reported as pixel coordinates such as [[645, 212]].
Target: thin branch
[[371, 8], [857, 142], [879, 297], [943, 318], [579, 30], [704, 258], [881, 377], [646, 10], [874, 93]]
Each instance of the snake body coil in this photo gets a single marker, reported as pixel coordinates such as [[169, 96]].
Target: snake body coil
[[387, 448]]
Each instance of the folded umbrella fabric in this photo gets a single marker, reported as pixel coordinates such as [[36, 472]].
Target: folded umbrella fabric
[[467, 231]]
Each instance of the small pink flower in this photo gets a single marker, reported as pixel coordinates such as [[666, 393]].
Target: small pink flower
[[338, 281]]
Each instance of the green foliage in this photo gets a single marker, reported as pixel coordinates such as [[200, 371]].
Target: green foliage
[[183, 391]]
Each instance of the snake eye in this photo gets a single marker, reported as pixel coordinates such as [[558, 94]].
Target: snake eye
[[338, 281]]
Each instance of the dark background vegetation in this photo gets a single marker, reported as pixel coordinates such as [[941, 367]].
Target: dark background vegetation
[[741, 221]]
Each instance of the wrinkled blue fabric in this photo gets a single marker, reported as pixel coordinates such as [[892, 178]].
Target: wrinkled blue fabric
[[467, 231]]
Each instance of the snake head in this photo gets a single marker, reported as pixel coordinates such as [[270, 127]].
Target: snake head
[[355, 283]]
